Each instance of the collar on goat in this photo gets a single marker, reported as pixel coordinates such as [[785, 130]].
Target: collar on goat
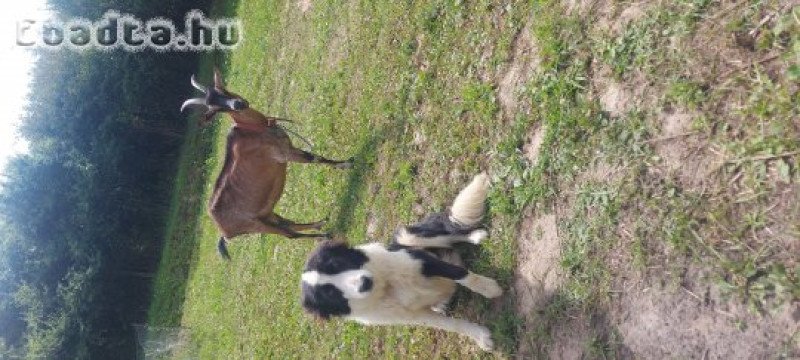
[[251, 126]]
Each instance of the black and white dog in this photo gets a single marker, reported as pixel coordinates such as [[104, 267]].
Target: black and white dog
[[405, 283]]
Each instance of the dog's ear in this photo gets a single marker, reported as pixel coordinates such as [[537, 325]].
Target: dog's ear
[[322, 310], [312, 311]]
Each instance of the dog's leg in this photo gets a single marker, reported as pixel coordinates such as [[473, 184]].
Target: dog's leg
[[433, 266], [407, 238], [482, 285], [480, 334]]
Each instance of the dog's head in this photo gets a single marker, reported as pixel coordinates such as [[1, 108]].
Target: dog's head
[[333, 275]]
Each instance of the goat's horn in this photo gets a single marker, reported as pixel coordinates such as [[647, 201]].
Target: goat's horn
[[197, 85], [193, 102], [218, 81]]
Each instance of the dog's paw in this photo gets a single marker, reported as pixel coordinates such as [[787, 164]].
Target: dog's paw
[[489, 288], [483, 337], [477, 236]]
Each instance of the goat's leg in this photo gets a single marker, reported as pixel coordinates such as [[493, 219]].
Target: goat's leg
[[293, 226], [259, 226], [297, 155], [285, 230]]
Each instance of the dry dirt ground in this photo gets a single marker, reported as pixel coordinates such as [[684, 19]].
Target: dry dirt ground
[[662, 309]]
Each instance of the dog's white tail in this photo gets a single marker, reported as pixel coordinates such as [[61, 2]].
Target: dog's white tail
[[468, 207]]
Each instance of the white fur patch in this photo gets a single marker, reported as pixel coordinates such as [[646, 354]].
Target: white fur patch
[[310, 278], [348, 282], [482, 285], [477, 236]]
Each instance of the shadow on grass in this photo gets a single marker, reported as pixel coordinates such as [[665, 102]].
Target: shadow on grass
[[499, 314], [364, 162], [180, 255], [560, 321]]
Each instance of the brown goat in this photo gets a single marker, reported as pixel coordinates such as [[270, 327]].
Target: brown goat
[[254, 173]]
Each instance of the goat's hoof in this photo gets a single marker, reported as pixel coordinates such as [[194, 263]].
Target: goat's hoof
[[348, 164], [319, 224]]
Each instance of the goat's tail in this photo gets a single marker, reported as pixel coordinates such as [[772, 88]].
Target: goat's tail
[[468, 207], [222, 248]]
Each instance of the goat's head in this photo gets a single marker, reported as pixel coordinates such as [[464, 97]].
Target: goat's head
[[217, 99]]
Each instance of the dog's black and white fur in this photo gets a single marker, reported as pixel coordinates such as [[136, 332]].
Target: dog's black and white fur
[[405, 283]]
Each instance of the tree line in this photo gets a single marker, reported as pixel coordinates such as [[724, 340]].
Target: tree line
[[82, 213]]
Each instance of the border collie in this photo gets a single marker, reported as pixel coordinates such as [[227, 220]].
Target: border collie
[[406, 283]]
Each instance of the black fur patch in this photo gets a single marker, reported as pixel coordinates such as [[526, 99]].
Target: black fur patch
[[395, 246], [437, 225], [332, 257], [324, 301], [433, 266]]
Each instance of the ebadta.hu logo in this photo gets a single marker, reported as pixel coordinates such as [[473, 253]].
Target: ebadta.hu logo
[[116, 30]]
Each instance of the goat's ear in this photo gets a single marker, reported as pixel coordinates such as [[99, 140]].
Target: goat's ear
[[219, 83]]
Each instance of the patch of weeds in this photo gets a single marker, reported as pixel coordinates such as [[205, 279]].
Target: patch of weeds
[[604, 346], [588, 235], [632, 48], [504, 328], [702, 123], [480, 98], [639, 251], [791, 347], [430, 19], [785, 35], [765, 287], [696, 9], [624, 138], [648, 42], [673, 217], [773, 105], [553, 313], [686, 93]]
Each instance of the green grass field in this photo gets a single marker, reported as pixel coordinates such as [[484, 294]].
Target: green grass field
[[347, 76], [411, 91]]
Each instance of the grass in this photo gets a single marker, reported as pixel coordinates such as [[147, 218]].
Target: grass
[[352, 77], [410, 90]]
